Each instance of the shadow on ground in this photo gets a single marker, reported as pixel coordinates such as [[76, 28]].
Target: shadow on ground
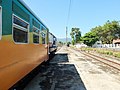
[[59, 58], [57, 76]]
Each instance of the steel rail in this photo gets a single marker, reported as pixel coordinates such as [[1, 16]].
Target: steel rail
[[101, 59]]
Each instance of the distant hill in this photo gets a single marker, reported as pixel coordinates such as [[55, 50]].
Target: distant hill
[[64, 40]]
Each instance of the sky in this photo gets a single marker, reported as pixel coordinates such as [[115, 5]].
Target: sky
[[84, 14]]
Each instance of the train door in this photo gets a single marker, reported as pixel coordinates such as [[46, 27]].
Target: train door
[[0, 23]]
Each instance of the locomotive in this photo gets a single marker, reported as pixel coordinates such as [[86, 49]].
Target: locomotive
[[25, 42]]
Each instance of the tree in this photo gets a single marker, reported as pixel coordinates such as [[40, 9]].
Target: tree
[[110, 29], [105, 33], [75, 35], [89, 38]]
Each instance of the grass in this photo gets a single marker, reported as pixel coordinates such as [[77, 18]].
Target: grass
[[103, 51]]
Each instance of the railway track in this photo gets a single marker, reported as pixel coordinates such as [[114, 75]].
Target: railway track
[[113, 64]]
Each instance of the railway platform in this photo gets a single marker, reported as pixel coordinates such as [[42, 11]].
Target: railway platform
[[72, 70]]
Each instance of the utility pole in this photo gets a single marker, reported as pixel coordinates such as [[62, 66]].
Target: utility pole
[[68, 20], [66, 34]]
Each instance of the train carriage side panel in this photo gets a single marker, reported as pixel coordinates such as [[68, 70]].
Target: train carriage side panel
[[6, 6], [19, 55]]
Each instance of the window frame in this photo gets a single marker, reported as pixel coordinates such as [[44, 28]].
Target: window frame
[[20, 28], [43, 32], [34, 33], [1, 23]]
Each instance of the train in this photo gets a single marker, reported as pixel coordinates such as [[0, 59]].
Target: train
[[25, 42]]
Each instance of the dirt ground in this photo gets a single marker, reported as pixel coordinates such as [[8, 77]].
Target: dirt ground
[[70, 70]]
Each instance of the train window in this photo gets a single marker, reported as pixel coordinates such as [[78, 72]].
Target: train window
[[19, 35], [43, 34], [20, 22], [35, 38], [20, 30], [35, 35], [36, 30], [43, 37], [0, 23]]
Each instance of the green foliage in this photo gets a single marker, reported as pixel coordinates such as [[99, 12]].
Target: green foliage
[[105, 33], [75, 35], [90, 38], [103, 51], [73, 42], [110, 30], [68, 42], [60, 42], [117, 54]]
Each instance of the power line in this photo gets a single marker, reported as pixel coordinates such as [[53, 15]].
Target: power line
[[68, 17]]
